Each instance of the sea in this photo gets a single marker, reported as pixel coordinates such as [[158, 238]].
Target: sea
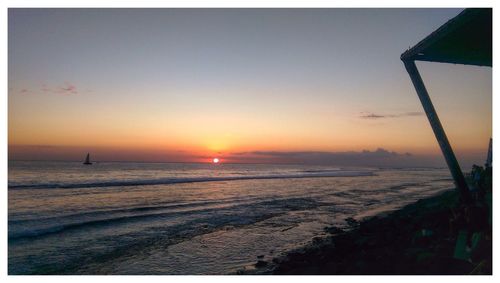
[[189, 218]]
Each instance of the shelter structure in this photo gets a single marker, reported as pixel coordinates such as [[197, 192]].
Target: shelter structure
[[465, 39]]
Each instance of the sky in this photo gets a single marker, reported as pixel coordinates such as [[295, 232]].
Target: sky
[[245, 85]]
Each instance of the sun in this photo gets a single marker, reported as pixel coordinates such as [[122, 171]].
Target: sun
[[215, 160]]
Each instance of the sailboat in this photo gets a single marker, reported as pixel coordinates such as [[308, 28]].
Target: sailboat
[[87, 160]]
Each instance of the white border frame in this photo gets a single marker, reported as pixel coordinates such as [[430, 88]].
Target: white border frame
[[233, 4]]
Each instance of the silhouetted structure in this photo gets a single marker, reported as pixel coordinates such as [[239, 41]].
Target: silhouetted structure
[[87, 160], [465, 39], [489, 158]]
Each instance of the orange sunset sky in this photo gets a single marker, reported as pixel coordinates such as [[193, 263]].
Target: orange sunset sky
[[243, 85]]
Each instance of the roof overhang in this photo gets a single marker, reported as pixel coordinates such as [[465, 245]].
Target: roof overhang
[[465, 39]]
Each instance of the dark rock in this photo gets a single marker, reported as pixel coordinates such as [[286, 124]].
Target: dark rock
[[353, 223], [261, 263], [316, 240], [333, 230], [414, 240]]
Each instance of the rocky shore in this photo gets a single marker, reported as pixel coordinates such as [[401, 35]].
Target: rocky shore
[[432, 236]]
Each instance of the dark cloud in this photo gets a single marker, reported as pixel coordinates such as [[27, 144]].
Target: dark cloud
[[370, 115], [378, 158], [380, 152]]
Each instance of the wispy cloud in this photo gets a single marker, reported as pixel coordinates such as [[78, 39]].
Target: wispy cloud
[[365, 115], [66, 89], [373, 116]]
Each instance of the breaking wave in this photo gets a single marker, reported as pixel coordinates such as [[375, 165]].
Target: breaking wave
[[167, 181]]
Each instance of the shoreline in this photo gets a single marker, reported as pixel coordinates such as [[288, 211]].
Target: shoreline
[[417, 239]]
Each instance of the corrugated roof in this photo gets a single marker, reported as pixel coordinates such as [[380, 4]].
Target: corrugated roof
[[465, 39]]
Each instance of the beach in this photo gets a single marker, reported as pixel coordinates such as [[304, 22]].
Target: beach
[[415, 240]]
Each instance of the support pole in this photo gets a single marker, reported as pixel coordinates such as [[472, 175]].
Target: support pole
[[444, 144]]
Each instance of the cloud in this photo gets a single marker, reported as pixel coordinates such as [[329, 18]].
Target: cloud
[[66, 89], [23, 90], [413, 114], [379, 158], [380, 152], [373, 116]]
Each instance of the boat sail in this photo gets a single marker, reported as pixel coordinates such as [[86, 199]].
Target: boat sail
[[87, 160]]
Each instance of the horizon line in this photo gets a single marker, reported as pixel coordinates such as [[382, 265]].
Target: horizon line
[[235, 163]]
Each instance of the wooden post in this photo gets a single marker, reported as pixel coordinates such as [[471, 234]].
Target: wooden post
[[444, 144]]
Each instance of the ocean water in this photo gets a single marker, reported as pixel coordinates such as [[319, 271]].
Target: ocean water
[[173, 218]]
